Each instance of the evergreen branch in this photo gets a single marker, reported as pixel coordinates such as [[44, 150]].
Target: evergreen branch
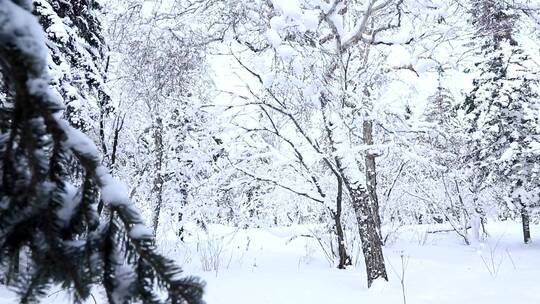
[[23, 53]]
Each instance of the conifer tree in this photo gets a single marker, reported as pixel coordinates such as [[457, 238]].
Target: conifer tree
[[51, 229], [77, 62], [503, 107]]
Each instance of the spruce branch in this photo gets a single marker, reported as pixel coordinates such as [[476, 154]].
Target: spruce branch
[[35, 168]]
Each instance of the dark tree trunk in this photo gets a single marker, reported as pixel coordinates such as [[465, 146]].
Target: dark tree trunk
[[344, 258], [180, 231], [371, 173], [371, 241], [118, 125], [157, 189], [525, 224], [102, 130], [363, 207]]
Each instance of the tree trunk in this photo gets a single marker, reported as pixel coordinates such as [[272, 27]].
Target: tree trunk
[[371, 173], [362, 205], [344, 258], [118, 125], [525, 224], [157, 189], [371, 241]]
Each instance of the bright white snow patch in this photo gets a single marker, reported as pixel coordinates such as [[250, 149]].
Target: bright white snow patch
[[277, 23], [310, 20], [285, 51], [113, 192], [274, 38], [140, 231], [77, 140], [290, 8], [379, 285], [399, 56]]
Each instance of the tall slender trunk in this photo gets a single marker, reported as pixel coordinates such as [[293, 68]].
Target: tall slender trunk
[[371, 173], [344, 258], [180, 214], [524, 215], [362, 205], [370, 226], [525, 224], [118, 125], [157, 190]]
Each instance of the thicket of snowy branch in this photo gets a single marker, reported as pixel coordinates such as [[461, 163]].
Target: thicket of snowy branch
[[359, 116]]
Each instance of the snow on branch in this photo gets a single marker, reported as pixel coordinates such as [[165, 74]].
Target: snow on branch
[[360, 31], [24, 54]]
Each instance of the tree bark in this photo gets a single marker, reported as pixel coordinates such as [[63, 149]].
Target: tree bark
[[525, 224], [371, 241], [118, 125], [344, 258], [157, 189], [363, 208], [371, 173]]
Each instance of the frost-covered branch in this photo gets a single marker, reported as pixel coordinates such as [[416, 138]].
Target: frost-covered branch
[[74, 247], [281, 185]]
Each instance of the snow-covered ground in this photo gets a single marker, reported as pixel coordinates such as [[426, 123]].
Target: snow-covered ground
[[274, 266]]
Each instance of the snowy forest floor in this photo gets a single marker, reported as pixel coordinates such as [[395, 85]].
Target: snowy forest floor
[[277, 266]]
